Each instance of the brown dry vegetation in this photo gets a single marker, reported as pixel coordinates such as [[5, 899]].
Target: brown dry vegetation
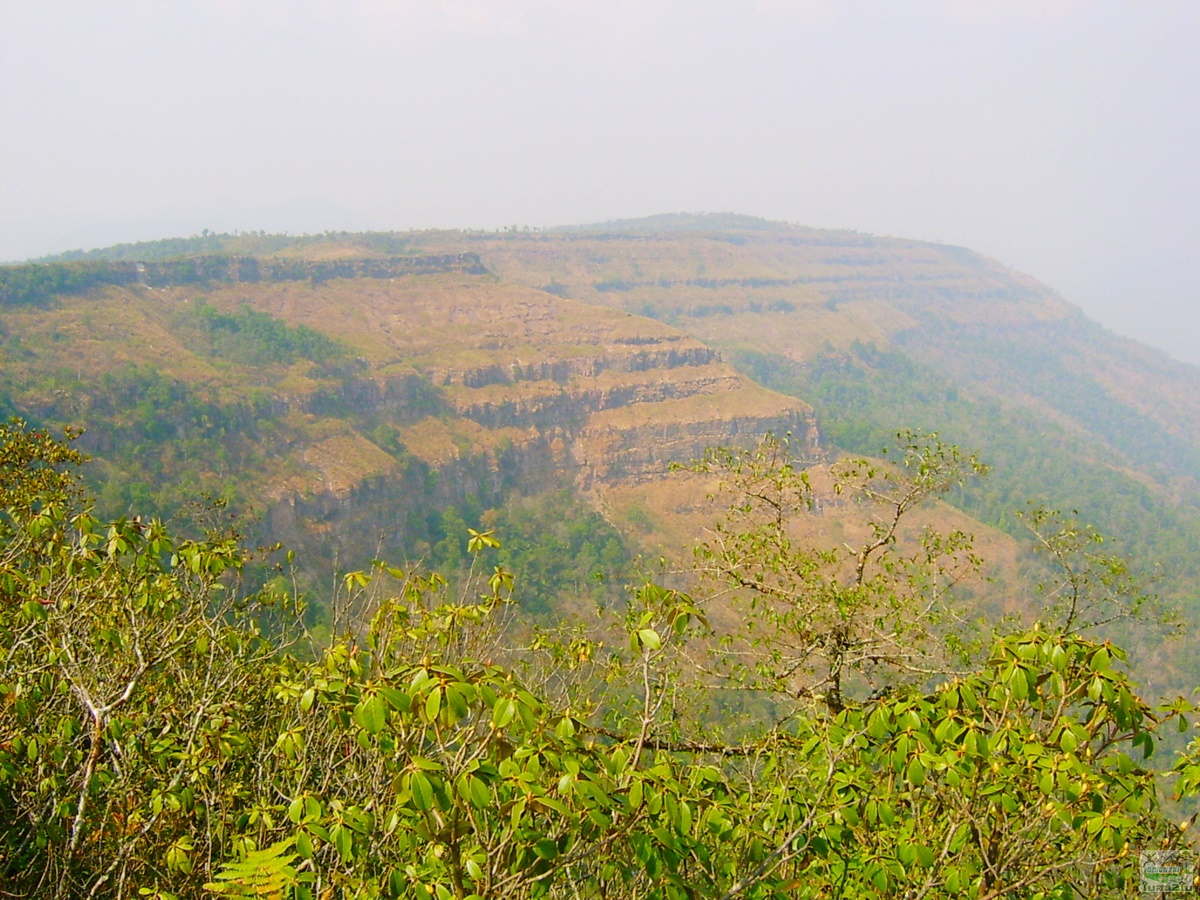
[[594, 356]]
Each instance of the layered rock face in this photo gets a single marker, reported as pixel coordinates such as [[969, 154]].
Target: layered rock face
[[490, 388], [448, 386], [603, 395]]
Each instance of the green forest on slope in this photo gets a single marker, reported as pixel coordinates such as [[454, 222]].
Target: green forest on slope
[[488, 699], [162, 443], [865, 396], [879, 334]]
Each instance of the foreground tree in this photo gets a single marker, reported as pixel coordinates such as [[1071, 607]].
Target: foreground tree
[[843, 621], [124, 653], [163, 733]]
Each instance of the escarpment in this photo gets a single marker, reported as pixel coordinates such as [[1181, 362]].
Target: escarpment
[[351, 397], [611, 395], [518, 390]]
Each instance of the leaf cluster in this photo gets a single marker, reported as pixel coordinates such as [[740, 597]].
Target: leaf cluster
[[828, 621], [165, 733]]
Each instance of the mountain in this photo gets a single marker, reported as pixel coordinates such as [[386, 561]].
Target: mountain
[[353, 403], [346, 385]]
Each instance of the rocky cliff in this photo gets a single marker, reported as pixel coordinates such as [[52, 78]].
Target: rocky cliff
[[34, 283], [450, 388], [601, 396]]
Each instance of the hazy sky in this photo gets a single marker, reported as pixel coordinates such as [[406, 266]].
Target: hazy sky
[[1060, 136]]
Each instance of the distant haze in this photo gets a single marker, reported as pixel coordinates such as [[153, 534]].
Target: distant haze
[[1061, 137]]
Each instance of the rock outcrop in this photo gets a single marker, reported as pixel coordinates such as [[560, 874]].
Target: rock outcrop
[[450, 388], [508, 388]]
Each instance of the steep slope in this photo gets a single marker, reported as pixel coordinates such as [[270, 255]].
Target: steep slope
[[746, 284], [786, 302], [882, 334], [877, 333], [349, 408]]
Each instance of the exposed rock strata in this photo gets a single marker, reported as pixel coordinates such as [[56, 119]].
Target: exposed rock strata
[[520, 390]]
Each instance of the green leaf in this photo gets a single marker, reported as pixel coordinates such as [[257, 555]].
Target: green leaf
[[397, 700], [1018, 684], [433, 704], [916, 772], [1068, 742], [371, 714], [343, 840], [878, 876], [456, 701], [1147, 744], [480, 795], [557, 805], [422, 792], [517, 812], [1058, 658], [649, 639], [503, 712], [635, 794], [968, 696]]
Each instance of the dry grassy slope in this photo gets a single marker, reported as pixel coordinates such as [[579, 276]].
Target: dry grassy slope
[[696, 274], [799, 292], [82, 339], [743, 283], [729, 283], [619, 397], [678, 512], [606, 397]]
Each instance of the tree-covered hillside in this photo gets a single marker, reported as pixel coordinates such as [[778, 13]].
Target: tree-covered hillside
[[352, 405], [882, 334]]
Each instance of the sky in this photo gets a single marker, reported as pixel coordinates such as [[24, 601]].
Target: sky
[[1061, 137]]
